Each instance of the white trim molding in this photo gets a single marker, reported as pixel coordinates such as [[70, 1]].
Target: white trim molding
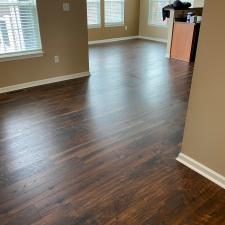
[[110, 25], [167, 55], [126, 38], [19, 56], [112, 40], [153, 39], [43, 82], [201, 169]]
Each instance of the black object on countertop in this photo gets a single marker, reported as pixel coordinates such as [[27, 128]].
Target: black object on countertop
[[177, 5]]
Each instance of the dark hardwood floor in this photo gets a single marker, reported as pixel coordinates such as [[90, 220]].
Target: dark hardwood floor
[[101, 150]]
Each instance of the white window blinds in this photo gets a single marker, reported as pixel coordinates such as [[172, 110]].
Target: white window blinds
[[114, 12], [19, 29], [94, 13], [155, 12]]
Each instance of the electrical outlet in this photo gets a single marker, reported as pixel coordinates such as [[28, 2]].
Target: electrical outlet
[[126, 28], [56, 59], [66, 6]]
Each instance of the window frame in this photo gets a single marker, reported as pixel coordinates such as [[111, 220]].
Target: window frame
[[99, 25], [22, 55], [18, 55], [117, 24]]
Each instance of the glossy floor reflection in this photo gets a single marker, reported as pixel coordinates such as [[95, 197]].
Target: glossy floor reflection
[[101, 150]]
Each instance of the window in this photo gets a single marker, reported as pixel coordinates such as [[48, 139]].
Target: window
[[19, 29], [155, 11], [192, 3], [114, 12], [94, 13]]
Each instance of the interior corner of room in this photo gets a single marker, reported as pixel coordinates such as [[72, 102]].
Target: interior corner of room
[[142, 19]]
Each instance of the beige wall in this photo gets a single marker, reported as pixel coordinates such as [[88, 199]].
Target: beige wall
[[63, 34], [153, 31], [132, 11], [204, 136]]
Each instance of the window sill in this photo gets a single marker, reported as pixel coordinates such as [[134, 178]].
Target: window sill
[[94, 27], [158, 26], [20, 56], [115, 25]]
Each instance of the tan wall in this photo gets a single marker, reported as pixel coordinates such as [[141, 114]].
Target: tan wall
[[132, 11], [204, 136], [153, 31], [63, 34]]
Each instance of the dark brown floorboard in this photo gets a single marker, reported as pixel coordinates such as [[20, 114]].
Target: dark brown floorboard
[[101, 150]]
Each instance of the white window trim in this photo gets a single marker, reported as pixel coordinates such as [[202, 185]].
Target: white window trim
[[95, 26], [21, 55], [26, 54], [116, 24]]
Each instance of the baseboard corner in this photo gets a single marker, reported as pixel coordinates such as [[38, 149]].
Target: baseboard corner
[[167, 55], [152, 39], [202, 169], [112, 40]]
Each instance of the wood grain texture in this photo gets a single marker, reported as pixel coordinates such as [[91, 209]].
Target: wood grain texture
[[101, 150]]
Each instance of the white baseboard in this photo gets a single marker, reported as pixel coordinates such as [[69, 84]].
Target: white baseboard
[[126, 38], [112, 40], [153, 39], [167, 55], [201, 169], [43, 82]]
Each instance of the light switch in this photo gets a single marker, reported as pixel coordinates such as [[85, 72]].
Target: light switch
[[66, 7], [56, 59]]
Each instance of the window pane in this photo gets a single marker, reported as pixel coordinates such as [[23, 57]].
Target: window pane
[[19, 29], [114, 12], [94, 13], [155, 12]]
